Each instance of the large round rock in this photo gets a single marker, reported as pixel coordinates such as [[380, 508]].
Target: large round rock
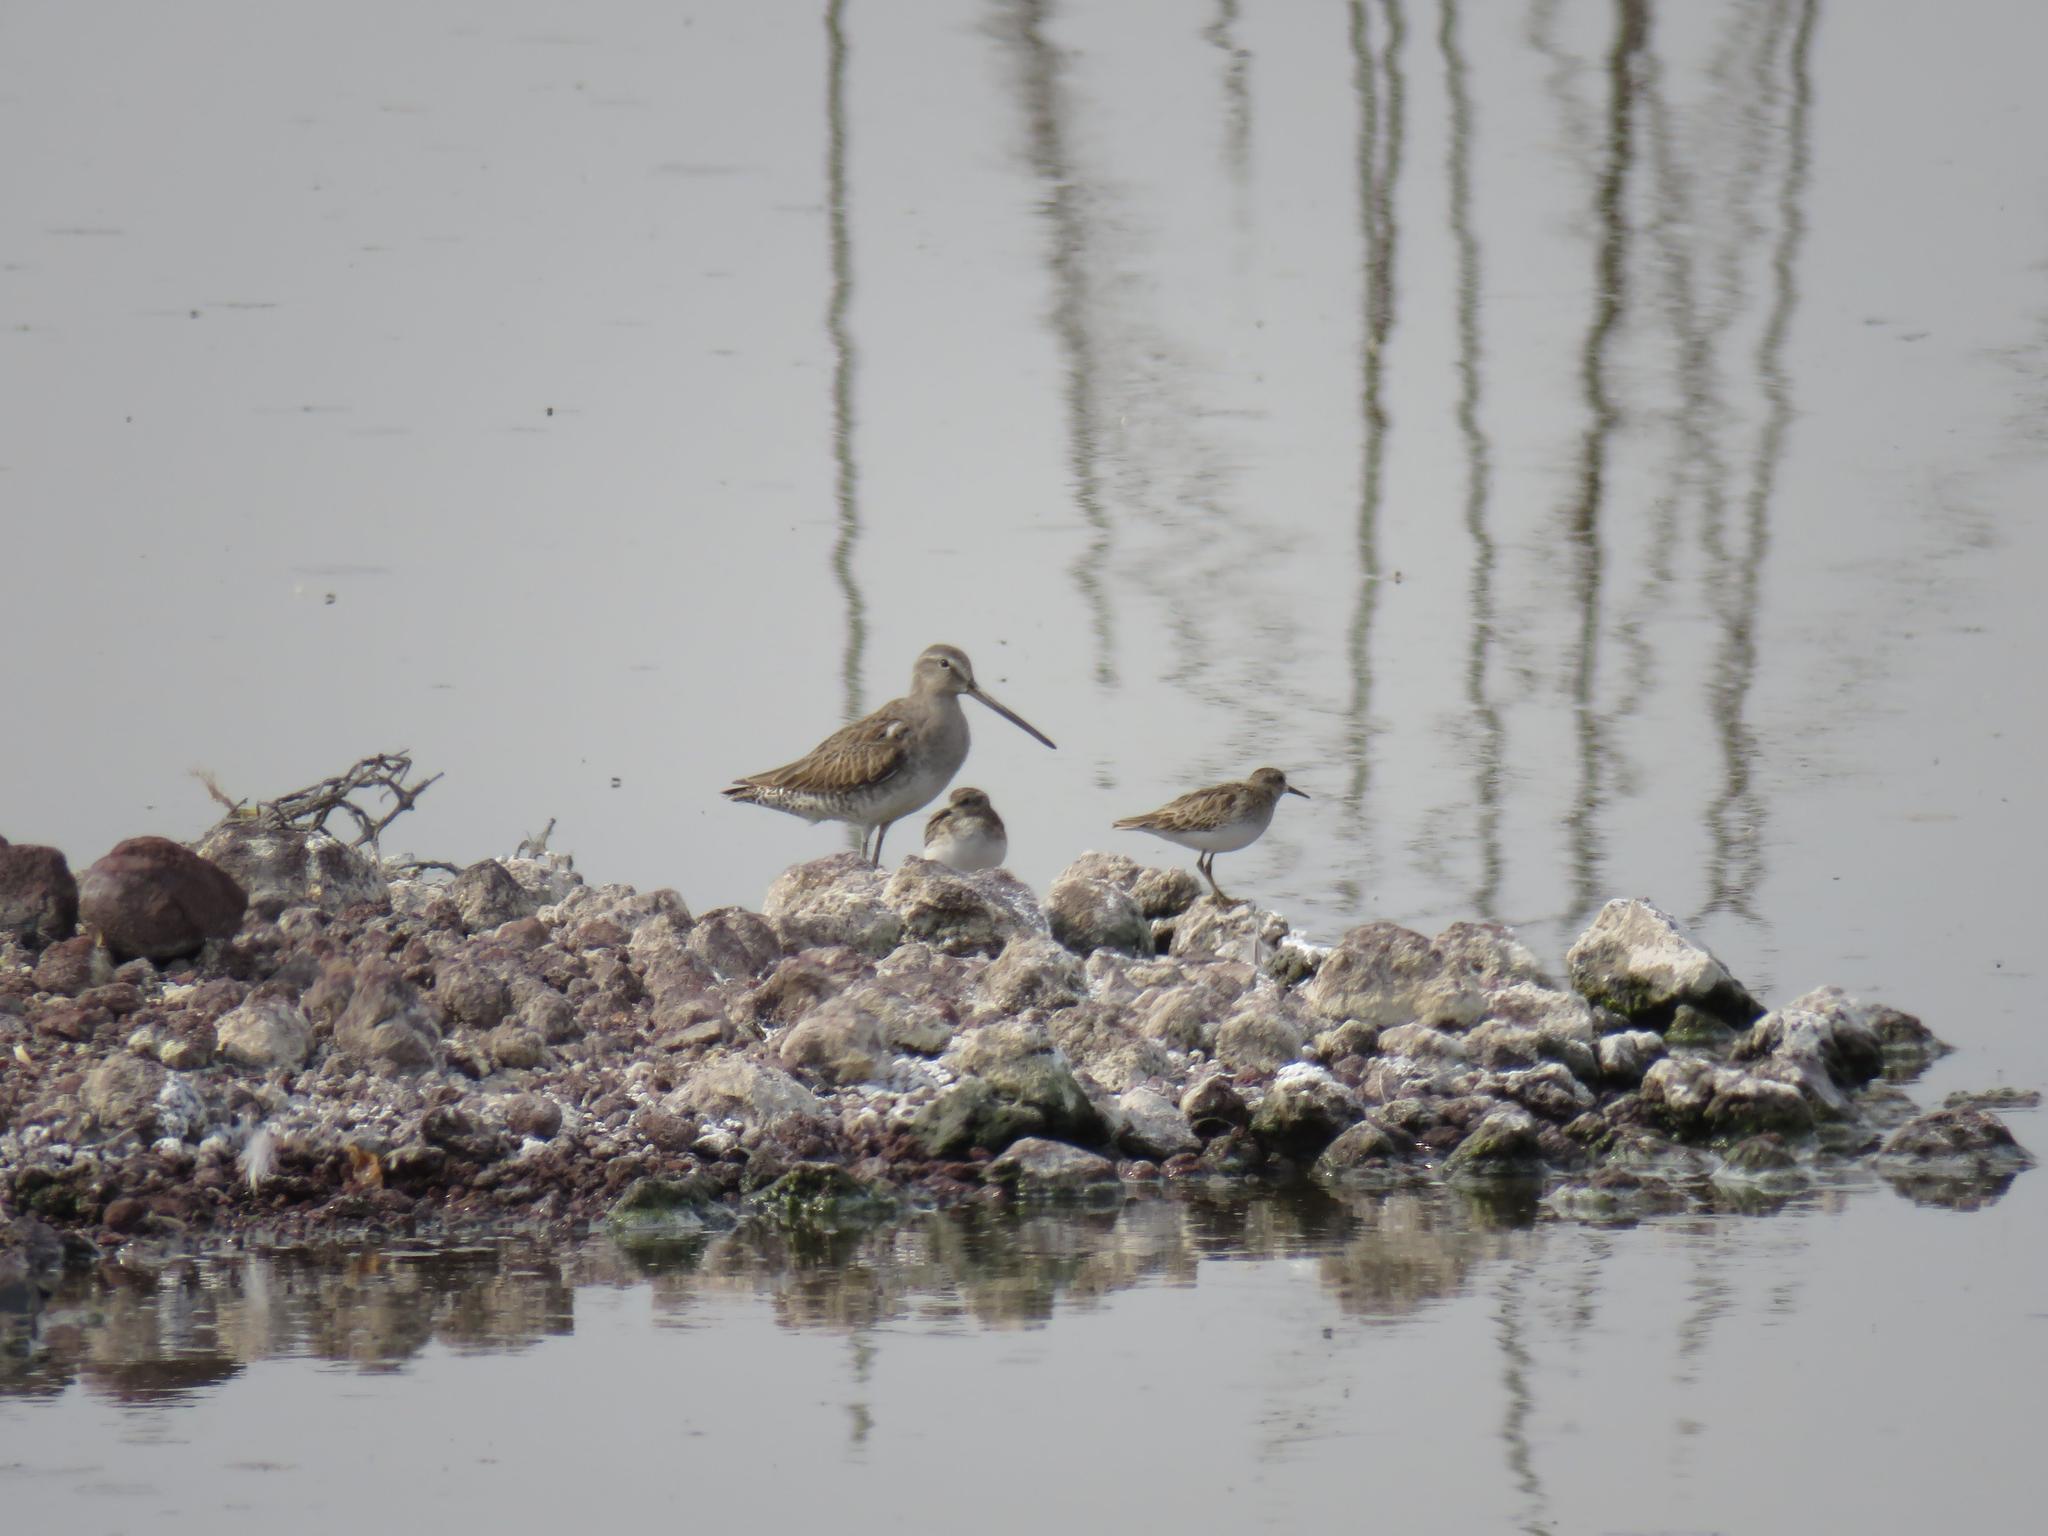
[[155, 898], [281, 866], [38, 897]]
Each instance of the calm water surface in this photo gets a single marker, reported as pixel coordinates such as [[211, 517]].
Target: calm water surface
[[1595, 448]]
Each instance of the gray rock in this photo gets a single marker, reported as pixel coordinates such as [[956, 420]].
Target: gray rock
[[1214, 1105], [1505, 1144], [487, 896], [1262, 1034], [155, 898], [1489, 955], [961, 914], [120, 1094], [1153, 1126], [71, 966], [1972, 1140], [1019, 1063], [729, 1086], [1364, 1148], [532, 1115], [1550, 1092], [1626, 1056], [1634, 960], [970, 1114], [471, 992], [840, 1041], [1032, 972], [1424, 1042], [180, 1113], [540, 1008], [1212, 930], [1036, 1166], [38, 896], [1165, 893], [1183, 1017], [514, 1048], [833, 901], [284, 866], [1700, 1101], [1385, 974], [1305, 1110], [1905, 1044], [387, 1025], [265, 1034], [735, 944], [1088, 913]]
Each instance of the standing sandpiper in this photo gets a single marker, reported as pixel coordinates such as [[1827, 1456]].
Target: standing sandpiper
[[1220, 819], [966, 833], [886, 765]]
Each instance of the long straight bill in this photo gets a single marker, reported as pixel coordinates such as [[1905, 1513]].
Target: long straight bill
[[1013, 717]]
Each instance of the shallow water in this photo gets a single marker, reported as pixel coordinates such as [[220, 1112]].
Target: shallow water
[[1595, 449]]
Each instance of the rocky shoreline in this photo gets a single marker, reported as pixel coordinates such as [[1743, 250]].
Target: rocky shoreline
[[279, 1035]]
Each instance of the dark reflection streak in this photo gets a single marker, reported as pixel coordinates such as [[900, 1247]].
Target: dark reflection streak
[[1479, 470], [1737, 814], [1237, 134], [1521, 1403], [846, 487], [1045, 115], [1632, 25], [1379, 168]]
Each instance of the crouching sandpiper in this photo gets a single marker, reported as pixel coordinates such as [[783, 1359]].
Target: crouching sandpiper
[[966, 833], [888, 764], [1220, 819]]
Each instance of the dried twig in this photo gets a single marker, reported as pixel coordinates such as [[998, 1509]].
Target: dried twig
[[309, 808]]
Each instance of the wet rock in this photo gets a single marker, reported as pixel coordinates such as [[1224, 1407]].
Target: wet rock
[[970, 1114], [1385, 974], [120, 1094], [1635, 961], [1234, 1154], [1550, 1092], [1305, 1110], [1626, 1056], [1490, 956], [1364, 1148], [1993, 1098], [961, 914], [71, 966], [731, 1086], [38, 896], [282, 866], [1214, 1106], [1973, 1140], [1505, 1144], [155, 898], [1694, 1029], [1262, 1034], [1507, 1047], [1037, 1166], [1766, 1161], [833, 901], [265, 1034], [1905, 1044], [653, 1210], [1700, 1101], [1019, 1064], [735, 944], [486, 895], [1031, 972], [533, 1115], [822, 1198], [1090, 912], [1153, 1126], [387, 1025], [457, 1131], [1213, 930]]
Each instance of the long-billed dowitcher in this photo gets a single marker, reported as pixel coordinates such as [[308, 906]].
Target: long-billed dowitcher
[[966, 833], [886, 765], [1220, 819]]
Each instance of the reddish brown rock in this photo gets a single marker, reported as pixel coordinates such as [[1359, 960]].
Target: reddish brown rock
[[155, 898]]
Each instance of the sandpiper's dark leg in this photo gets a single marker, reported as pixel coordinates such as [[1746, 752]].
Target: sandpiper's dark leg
[[881, 832], [1204, 864]]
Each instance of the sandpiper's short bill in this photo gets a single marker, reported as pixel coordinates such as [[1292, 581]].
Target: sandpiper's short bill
[[1220, 819], [888, 764], [966, 833]]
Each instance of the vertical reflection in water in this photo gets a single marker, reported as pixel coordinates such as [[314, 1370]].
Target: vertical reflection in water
[[1380, 112], [1478, 472], [1632, 24], [1046, 135], [1735, 818], [847, 481], [1521, 1403], [1237, 96]]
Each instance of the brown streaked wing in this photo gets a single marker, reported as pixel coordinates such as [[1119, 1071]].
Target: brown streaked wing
[[1196, 809], [853, 757]]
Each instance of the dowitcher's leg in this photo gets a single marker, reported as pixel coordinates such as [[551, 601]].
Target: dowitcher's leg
[[881, 832]]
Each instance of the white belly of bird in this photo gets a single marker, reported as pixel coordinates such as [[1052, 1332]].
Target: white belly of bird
[[977, 849], [1227, 838], [912, 790]]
